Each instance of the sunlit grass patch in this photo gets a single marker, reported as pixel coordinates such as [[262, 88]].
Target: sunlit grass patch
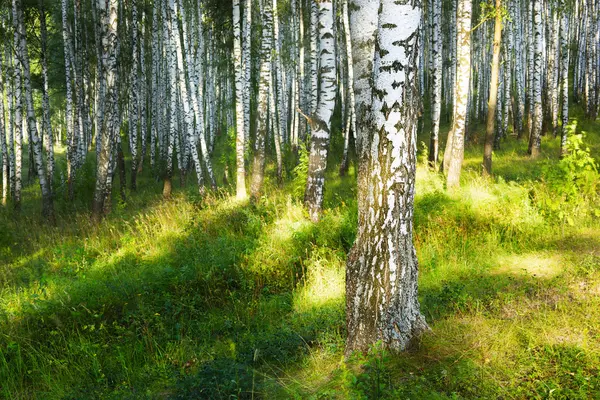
[[537, 264], [324, 283]]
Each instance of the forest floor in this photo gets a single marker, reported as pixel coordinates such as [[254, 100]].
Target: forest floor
[[216, 299]]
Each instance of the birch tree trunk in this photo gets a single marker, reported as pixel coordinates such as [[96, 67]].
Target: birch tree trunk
[[258, 163], [71, 140], [173, 111], [536, 129], [107, 10], [239, 102], [564, 77], [591, 72], [555, 68], [46, 122], [143, 101], [436, 81], [314, 55], [279, 84], [382, 271], [189, 86], [247, 63], [3, 147], [12, 162], [18, 121], [492, 102], [35, 143], [321, 120], [350, 89], [134, 96], [454, 154]]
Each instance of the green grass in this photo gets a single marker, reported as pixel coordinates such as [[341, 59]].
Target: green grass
[[215, 298]]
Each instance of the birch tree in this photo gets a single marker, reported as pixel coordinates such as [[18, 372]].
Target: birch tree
[[17, 104], [46, 122], [107, 10], [381, 276], [3, 146], [436, 81], [321, 121], [258, 163], [134, 96], [454, 154], [535, 140], [351, 118], [239, 102], [492, 103], [564, 76], [35, 142]]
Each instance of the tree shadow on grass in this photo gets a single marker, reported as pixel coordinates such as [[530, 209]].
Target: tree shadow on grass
[[131, 323]]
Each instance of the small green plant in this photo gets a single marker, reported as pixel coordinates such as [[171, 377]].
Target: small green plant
[[300, 173], [572, 184]]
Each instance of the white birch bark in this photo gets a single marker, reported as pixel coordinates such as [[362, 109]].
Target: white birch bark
[[278, 80], [134, 96], [314, 55], [350, 89], [247, 63], [107, 10], [196, 106], [46, 122], [11, 118], [564, 77], [3, 146], [436, 81], [18, 124], [321, 120], [494, 93], [454, 154], [554, 66], [70, 128], [536, 129], [35, 142], [258, 163], [382, 270], [239, 103]]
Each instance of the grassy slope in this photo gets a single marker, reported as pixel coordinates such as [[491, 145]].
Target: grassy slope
[[207, 299]]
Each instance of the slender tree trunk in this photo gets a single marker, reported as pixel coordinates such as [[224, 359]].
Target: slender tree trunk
[[107, 10], [12, 162], [143, 101], [35, 144], [350, 88], [247, 63], [239, 102], [321, 120], [3, 147], [71, 139], [382, 269], [436, 81], [314, 55], [454, 154], [18, 122], [536, 132], [555, 68], [258, 163], [492, 103], [564, 77], [134, 96], [46, 122], [172, 136]]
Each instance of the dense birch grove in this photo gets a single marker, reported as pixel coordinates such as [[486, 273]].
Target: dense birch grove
[[203, 90]]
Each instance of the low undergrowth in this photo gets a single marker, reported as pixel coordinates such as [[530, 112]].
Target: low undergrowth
[[211, 298]]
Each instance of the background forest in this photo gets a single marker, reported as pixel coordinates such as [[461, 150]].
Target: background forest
[[179, 197]]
